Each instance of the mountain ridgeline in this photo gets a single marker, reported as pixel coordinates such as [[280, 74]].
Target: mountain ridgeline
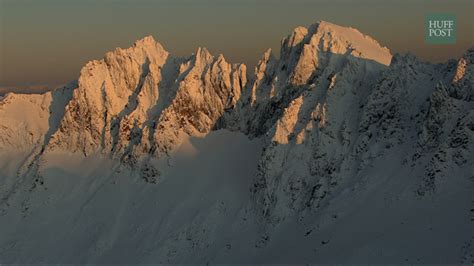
[[336, 112]]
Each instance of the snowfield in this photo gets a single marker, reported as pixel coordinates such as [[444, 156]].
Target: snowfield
[[114, 217]]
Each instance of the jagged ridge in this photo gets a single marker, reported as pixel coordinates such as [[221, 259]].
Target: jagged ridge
[[340, 118]]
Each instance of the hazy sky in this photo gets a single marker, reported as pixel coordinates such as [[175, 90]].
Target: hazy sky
[[46, 42]]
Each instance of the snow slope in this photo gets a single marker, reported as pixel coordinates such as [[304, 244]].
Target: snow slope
[[200, 213], [337, 151]]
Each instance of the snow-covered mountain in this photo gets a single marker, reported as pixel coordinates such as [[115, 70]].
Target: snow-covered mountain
[[336, 151]]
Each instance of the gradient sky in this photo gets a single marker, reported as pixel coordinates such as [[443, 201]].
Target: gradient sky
[[46, 42]]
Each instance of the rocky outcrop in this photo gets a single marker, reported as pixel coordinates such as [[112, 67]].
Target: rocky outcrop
[[141, 101]]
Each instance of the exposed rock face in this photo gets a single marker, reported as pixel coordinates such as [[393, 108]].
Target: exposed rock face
[[141, 101], [358, 113], [332, 110], [307, 104]]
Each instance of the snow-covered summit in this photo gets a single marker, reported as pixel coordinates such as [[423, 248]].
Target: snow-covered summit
[[335, 39]]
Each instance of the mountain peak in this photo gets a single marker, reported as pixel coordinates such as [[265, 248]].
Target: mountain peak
[[327, 37], [328, 26], [149, 46], [296, 36], [340, 39], [203, 56], [147, 40]]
